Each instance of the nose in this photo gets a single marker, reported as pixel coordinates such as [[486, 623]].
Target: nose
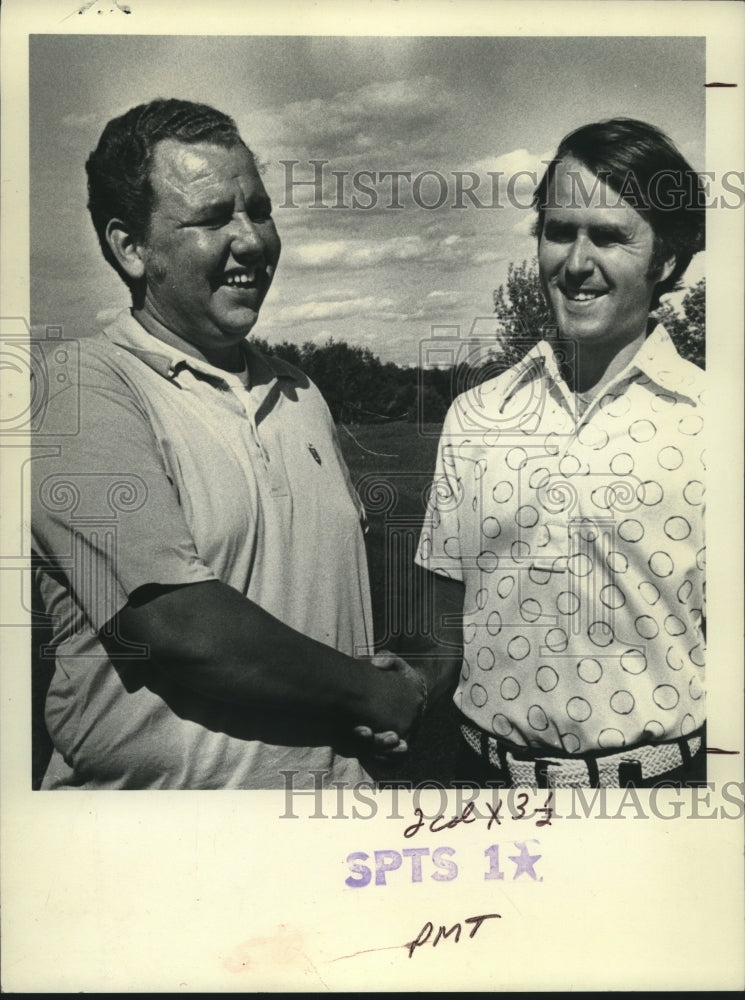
[[580, 259], [247, 240]]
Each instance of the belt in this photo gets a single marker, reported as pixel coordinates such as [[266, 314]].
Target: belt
[[593, 770]]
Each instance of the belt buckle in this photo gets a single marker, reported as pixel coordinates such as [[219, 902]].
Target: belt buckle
[[521, 770]]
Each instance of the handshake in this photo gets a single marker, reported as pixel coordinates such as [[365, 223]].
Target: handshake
[[395, 706]]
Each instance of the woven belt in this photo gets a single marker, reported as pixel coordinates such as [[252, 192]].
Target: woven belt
[[577, 772]]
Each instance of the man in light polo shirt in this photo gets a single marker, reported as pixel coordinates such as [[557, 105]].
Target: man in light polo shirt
[[198, 542], [565, 523]]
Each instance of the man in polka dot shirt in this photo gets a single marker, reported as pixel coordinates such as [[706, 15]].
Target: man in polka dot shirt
[[565, 525]]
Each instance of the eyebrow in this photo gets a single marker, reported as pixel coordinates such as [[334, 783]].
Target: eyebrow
[[215, 206], [226, 206], [604, 230]]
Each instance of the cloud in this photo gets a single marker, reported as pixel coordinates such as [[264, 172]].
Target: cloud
[[520, 172], [356, 120], [380, 169], [332, 294], [524, 228], [399, 124], [319, 310], [438, 304], [356, 255], [444, 296], [489, 257], [326, 306], [521, 160], [320, 336]]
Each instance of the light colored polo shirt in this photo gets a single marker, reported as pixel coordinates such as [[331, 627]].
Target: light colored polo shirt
[[580, 540], [180, 475]]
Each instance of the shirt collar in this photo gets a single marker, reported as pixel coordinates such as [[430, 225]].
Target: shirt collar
[[168, 361], [657, 358], [539, 361]]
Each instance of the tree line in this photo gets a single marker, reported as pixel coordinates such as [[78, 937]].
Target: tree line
[[360, 388]]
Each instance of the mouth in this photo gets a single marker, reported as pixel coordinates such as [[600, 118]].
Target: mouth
[[582, 295], [247, 278]]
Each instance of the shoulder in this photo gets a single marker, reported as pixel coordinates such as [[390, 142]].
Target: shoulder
[[90, 359], [481, 404], [78, 380], [692, 382], [671, 370]]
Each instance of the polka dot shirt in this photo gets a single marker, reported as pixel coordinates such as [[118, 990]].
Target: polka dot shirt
[[579, 535]]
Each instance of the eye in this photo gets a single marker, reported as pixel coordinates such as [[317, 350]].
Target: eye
[[261, 211], [607, 237], [558, 232], [215, 219], [216, 222], [604, 240]]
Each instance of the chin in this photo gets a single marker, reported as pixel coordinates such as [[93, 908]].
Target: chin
[[573, 332], [238, 327]]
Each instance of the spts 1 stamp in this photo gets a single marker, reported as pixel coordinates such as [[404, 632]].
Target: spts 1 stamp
[[442, 864]]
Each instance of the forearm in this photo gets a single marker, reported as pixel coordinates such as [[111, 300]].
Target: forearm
[[211, 639]]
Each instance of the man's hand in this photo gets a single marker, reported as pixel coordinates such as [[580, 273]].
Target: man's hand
[[213, 641], [388, 743], [441, 654]]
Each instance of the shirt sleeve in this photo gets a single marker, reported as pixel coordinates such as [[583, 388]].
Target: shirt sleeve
[[439, 547], [105, 517]]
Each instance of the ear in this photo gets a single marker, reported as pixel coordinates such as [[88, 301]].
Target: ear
[[667, 269], [128, 252]]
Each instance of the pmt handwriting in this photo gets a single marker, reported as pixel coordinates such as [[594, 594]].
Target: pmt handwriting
[[424, 935]]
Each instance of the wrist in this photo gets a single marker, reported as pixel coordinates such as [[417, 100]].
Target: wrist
[[357, 691], [441, 676]]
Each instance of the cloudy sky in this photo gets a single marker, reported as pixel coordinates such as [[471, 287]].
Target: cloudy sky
[[385, 271]]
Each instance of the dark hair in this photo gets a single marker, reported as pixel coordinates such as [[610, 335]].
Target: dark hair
[[642, 165], [119, 168]]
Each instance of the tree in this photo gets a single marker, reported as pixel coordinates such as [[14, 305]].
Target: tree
[[688, 332], [522, 311]]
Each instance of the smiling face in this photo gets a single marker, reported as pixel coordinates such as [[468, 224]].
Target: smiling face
[[211, 249], [594, 257]]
